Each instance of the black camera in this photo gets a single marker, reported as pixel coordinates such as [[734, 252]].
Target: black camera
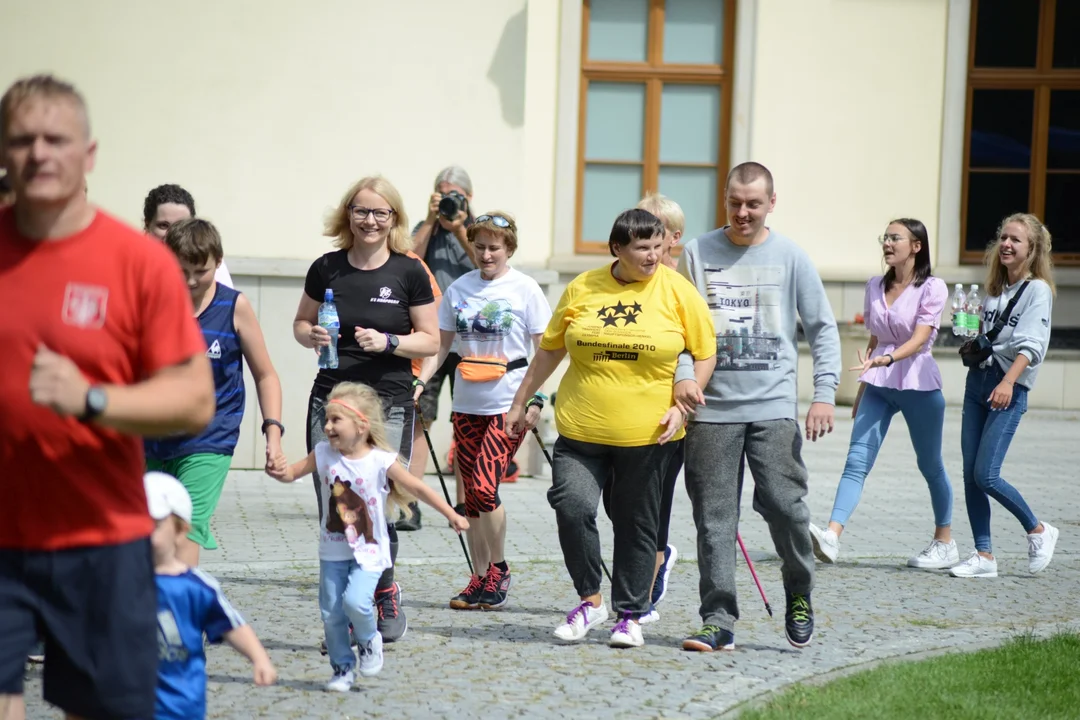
[[452, 203]]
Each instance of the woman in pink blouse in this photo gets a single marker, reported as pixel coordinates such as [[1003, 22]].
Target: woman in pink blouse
[[902, 311]]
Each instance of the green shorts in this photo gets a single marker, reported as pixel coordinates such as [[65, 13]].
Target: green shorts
[[203, 474]]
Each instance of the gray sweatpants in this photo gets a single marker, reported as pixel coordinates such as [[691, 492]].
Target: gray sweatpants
[[579, 472], [716, 454]]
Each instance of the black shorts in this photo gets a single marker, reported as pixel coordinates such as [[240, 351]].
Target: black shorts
[[429, 399], [667, 497], [96, 609]]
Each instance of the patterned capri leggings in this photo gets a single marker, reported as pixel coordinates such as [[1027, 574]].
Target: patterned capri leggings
[[483, 453]]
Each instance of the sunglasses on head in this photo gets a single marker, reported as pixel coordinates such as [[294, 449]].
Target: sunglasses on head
[[496, 220]]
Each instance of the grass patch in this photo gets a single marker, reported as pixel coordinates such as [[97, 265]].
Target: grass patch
[[1024, 678]]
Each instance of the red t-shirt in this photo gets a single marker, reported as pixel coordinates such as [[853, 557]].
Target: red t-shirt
[[115, 303]]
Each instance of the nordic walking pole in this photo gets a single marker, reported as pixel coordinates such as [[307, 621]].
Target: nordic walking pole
[[543, 448], [438, 471], [768, 608]]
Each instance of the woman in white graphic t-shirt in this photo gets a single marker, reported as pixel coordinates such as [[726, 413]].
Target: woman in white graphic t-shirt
[[493, 317]]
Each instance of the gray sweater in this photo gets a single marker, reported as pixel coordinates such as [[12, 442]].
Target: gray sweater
[[754, 294], [1026, 332]]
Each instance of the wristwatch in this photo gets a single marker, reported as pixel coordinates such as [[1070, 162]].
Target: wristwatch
[[96, 400], [391, 343]]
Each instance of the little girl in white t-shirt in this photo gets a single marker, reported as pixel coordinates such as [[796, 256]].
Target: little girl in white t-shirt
[[359, 473]]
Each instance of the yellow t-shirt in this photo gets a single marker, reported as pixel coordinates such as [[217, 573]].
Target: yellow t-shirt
[[624, 342]]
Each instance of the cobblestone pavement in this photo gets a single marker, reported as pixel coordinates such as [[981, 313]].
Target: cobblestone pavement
[[507, 664]]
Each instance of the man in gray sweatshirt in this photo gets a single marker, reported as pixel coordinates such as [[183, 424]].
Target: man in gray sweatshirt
[[755, 281]]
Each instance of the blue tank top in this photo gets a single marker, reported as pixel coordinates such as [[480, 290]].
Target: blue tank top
[[227, 361]]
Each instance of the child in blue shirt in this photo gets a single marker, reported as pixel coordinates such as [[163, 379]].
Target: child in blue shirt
[[190, 604]]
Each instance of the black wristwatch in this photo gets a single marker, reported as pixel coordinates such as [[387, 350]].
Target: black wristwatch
[[391, 343], [276, 423], [96, 400], [891, 359]]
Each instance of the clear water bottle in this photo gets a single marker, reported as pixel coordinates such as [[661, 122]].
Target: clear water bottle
[[328, 318], [959, 317], [973, 312]]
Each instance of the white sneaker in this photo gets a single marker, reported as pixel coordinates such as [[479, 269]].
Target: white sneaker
[[936, 556], [626, 634], [976, 566], [341, 682], [826, 544], [649, 617], [581, 620], [1041, 547], [371, 656]]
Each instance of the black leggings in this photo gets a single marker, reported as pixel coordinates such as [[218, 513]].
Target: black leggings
[[667, 497]]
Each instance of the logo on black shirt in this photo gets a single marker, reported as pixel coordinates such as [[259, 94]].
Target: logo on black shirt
[[611, 314], [384, 297]]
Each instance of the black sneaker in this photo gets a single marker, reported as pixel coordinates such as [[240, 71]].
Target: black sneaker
[[710, 638], [468, 598], [409, 524], [496, 587], [799, 620], [392, 623]]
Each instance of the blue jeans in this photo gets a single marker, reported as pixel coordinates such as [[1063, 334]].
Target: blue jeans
[[924, 412], [984, 439], [346, 594]]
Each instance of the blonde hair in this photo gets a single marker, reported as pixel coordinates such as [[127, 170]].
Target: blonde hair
[[40, 87], [1040, 263], [361, 397], [666, 209], [507, 234], [337, 223]]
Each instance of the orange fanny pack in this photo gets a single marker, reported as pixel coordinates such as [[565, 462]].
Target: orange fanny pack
[[487, 369]]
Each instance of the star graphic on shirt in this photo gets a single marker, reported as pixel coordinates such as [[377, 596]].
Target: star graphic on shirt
[[602, 311], [630, 318], [636, 307], [619, 308], [610, 321]]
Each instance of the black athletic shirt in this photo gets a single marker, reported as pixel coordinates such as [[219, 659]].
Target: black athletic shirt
[[378, 299]]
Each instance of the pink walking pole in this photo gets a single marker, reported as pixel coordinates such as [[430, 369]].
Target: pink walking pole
[[768, 608]]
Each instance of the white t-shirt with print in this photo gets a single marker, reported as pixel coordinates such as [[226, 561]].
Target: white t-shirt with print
[[493, 318], [354, 507]]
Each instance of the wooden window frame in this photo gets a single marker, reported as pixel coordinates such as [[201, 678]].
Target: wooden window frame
[[1042, 79], [654, 73]]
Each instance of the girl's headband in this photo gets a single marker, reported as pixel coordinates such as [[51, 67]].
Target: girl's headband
[[347, 406]]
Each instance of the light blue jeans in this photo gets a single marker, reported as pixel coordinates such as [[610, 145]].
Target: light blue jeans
[[985, 435], [924, 412], [346, 594]]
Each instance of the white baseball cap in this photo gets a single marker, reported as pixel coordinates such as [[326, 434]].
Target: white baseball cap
[[166, 496]]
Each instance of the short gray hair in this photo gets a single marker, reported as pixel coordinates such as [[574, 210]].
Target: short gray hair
[[455, 175]]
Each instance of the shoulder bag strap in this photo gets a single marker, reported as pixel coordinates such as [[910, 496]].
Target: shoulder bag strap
[[1004, 317]]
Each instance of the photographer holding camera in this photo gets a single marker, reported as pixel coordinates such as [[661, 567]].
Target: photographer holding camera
[[443, 243]]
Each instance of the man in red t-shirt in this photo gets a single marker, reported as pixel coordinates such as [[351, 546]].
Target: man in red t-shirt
[[99, 346]]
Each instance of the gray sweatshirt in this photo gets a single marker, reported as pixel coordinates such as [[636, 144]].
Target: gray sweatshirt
[[754, 294], [1027, 330]]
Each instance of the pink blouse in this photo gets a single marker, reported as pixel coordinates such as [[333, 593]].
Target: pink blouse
[[894, 326]]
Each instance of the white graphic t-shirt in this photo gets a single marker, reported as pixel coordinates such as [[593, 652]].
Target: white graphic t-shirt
[[354, 507], [493, 319]]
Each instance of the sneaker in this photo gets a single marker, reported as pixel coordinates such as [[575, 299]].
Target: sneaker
[[659, 588], [410, 524], [826, 544], [37, 655], [581, 620], [799, 620], [710, 638], [392, 622], [496, 586], [1041, 547], [371, 656], [342, 681], [512, 472], [468, 598], [975, 566], [936, 556], [626, 634], [649, 617]]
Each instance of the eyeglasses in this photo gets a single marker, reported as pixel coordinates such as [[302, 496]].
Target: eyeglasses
[[496, 220], [891, 239], [361, 213]]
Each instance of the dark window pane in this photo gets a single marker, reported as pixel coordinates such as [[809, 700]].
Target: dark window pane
[[1063, 212], [1064, 149], [1066, 32], [1007, 33], [992, 197], [1001, 128]]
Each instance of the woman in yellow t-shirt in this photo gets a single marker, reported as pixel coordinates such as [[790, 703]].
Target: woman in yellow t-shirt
[[623, 326]]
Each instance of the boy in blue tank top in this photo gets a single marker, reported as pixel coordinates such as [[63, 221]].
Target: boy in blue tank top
[[232, 335], [190, 605]]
